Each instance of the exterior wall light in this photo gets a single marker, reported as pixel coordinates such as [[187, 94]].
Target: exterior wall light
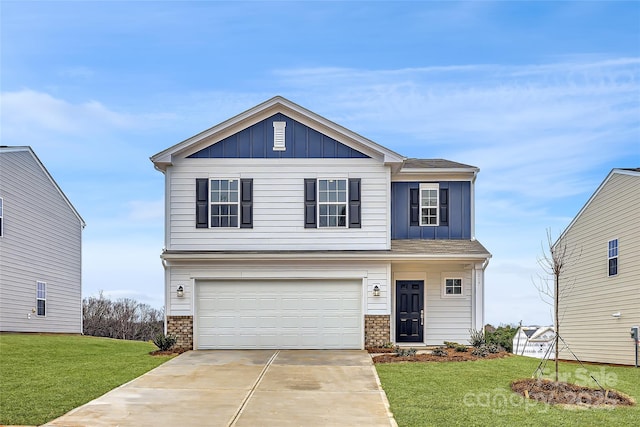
[[180, 291], [376, 291], [617, 315]]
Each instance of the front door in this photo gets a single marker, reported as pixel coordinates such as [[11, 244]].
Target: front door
[[409, 310]]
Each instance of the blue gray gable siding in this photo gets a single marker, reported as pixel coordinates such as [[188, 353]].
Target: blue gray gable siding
[[256, 142], [459, 226]]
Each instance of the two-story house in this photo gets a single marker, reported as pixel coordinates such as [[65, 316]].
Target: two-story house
[[40, 249], [600, 280], [286, 230]]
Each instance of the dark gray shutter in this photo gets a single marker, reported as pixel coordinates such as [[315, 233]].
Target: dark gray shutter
[[202, 201], [444, 206], [246, 203], [310, 205], [354, 203], [414, 206]]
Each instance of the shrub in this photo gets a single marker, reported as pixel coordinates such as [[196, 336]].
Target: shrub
[[439, 351], [481, 351], [164, 342], [405, 351], [451, 344], [461, 348], [476, 338], [502, 336]]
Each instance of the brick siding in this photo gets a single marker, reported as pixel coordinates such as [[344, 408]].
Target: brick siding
[[377, 330], [182, 328]]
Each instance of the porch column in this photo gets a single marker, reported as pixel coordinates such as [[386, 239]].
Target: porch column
[[478, 297]]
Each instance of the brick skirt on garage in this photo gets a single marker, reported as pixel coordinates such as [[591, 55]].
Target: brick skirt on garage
[[377, 330], [181, 327]]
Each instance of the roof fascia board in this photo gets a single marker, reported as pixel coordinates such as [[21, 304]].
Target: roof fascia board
[[435, 174], [264, 110], [228, 256], [48, 175], [593, 196]]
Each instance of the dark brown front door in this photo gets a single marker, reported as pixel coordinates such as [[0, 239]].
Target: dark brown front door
[[409, 310]]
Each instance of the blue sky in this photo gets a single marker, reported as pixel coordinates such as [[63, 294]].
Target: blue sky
[[544, 97]]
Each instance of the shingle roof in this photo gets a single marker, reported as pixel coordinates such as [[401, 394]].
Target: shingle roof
[[438, 247], [400, 249], [434, 164]]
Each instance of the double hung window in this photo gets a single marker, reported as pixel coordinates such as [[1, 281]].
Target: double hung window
[[224, 202], [332, 202], [429, 204], [41, 298], [613, 257]]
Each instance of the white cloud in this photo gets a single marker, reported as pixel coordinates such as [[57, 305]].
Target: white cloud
[[29, 110]]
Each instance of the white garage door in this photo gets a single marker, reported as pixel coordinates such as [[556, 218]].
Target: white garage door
[[272, 314]]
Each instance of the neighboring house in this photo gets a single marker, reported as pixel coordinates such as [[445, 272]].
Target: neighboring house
[[40, 248], [286, 230], [600, 283], [534, 341]]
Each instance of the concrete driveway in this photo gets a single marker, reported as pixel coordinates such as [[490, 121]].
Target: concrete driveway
[[246, 388]]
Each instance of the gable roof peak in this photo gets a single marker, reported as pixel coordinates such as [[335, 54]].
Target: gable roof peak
[[277, 104]]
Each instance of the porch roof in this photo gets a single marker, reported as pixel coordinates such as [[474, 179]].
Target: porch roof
[[407, 250]]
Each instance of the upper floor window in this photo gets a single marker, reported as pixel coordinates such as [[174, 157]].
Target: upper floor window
[[224, 202], [332, 202], [453, 286], [1, 216], [429, 204], [41, 298], [613, 257]]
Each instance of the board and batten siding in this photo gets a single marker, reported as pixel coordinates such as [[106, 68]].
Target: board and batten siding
[[278, 205], [186, 275], [447, 318], [590, 296], [41, 242]]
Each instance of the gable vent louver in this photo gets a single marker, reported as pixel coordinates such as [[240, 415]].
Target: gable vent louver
[[278, 136]]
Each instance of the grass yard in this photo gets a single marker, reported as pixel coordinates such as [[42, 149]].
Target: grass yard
[[478, 394], [45, 376]]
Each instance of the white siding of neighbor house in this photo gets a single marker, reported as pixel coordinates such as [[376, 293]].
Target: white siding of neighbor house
[[447, 318], [278, 205], [587, 324], [187, 274], [41, 242]]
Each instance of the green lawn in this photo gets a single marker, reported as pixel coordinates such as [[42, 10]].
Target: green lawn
[[478, 394], [45, 376]]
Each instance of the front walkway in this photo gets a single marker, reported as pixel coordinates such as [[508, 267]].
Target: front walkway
[[246, 388]]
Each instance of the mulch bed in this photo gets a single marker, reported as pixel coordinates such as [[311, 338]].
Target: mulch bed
[[559, 393], [452, 356], [167, 352]]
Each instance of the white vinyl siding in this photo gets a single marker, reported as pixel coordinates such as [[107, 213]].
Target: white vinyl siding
[[587, 324], [38, 245], [446, 318], [368, 273], [278, 209]]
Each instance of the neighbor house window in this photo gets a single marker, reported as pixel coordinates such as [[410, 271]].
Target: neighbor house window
[[41, 298], [613, 257], [224, 202], [453, 286], [332, 202], [429, 204], [1, 217]]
